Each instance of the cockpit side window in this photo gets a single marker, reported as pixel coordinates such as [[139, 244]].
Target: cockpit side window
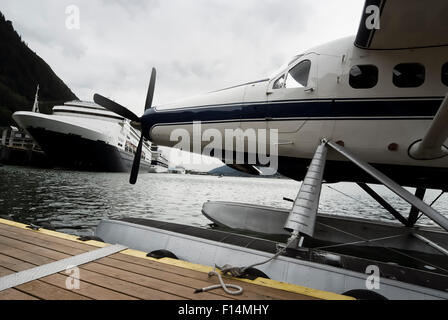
[[298, 76], [280, 83]]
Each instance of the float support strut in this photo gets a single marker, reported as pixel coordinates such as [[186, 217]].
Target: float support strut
[[384, 203], [302, 218], [413, 214], [393, 186]]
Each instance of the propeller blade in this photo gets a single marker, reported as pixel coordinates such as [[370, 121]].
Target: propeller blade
[[115, 107], [152, 86], [136, 165]]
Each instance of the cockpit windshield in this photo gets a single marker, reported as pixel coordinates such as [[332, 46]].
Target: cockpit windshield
[[285, 66]]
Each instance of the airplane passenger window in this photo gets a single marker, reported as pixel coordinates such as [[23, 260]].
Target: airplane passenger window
[[409, 75], [363, 76], [298, 76], [445, 74]]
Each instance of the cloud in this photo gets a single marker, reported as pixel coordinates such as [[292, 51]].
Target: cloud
[[196, 45]]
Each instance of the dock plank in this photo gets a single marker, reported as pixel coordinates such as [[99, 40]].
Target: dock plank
[[271, 292], [201, 281], [14, 294], [37, 288], [18, 257], [182, 277], [162, 285], [89, 290], [120, 276], [37, 255], [47, 291], [130, 289], [59, 279], [174, 283], [47, 241]]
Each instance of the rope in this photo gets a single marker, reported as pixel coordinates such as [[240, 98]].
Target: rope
[[361, 242], [238, 290], [357, 200], [280, 252], [389, 249], [353, 198], [238, 272]]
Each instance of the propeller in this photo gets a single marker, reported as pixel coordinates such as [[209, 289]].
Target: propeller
[[137, 121]]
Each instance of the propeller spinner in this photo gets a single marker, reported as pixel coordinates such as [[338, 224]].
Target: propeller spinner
[[126, 113]]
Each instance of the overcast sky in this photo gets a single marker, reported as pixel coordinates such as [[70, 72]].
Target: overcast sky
[[196, 45]]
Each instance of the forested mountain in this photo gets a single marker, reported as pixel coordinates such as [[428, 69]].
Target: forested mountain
[[21, 70]]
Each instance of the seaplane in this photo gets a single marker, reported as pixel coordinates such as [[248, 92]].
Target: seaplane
[[368, 109]]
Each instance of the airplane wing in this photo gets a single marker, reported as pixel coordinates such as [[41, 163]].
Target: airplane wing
[[403, 24]]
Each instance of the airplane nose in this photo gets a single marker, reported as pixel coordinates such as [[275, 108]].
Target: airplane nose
[[136, 125], [148, 120]]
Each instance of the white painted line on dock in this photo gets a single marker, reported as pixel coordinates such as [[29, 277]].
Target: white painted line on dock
[[17, 279]]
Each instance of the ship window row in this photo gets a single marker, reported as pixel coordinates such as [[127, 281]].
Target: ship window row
[[129, 147], [404, 75]]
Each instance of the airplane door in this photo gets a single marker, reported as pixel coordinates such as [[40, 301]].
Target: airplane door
[[255, 108], [253, 114], [288, 91]]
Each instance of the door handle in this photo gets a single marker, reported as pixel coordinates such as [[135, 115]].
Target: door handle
[[284, 143], [310, 90]]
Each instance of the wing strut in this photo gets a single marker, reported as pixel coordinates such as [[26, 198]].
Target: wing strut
[[394, 187], [432, 145], [302, 218]]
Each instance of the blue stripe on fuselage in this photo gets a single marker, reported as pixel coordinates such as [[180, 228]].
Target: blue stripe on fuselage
[[305, 109]]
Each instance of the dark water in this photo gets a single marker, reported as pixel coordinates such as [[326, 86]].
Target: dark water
[[75, 202]]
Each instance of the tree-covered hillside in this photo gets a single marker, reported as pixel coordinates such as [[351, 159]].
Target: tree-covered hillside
[[21, 70]]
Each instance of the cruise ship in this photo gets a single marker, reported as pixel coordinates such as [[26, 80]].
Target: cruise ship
[[84, 136], [159, 163]]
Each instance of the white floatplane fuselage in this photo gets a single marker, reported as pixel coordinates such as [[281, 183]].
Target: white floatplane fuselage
[[367, 109], [377, 103]]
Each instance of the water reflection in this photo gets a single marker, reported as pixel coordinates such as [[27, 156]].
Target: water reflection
[[75, 202]]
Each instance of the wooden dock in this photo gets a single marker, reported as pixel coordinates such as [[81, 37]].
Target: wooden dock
[[128, 275]]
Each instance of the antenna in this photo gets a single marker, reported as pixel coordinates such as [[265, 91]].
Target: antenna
[[36, 101]]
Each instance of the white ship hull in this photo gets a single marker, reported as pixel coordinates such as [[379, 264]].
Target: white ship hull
[[81, 143], [158, 169]]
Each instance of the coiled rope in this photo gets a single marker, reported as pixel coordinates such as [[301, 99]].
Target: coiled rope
[[238, 290], [238, 272]]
